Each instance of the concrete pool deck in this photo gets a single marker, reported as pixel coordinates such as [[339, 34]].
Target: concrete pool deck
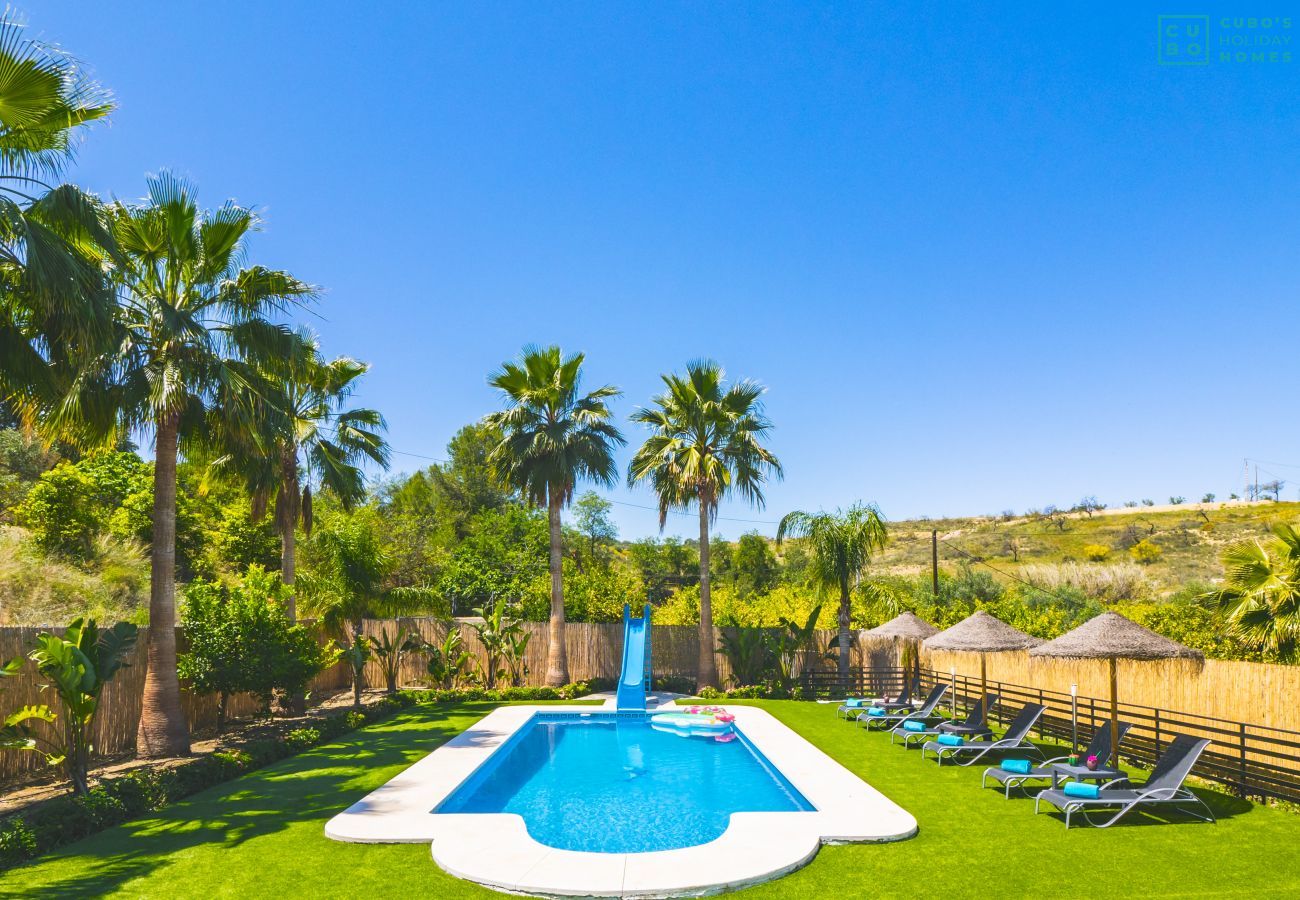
[[495, 849]]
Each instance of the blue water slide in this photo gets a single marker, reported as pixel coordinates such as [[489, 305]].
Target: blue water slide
[[634, 678]]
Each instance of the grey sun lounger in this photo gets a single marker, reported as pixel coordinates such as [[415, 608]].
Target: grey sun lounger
[[1015, 738], [1099, 747], [903, 701], [973, 726], [923, 713], [1120, 797]]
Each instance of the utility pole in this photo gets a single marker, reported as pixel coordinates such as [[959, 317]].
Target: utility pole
[[1245, 489], [934, 560]]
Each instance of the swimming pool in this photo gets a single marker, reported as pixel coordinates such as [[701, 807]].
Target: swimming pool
[[776, 797], [609, 783]]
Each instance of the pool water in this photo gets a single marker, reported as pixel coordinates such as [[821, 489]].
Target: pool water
[[613, 784]]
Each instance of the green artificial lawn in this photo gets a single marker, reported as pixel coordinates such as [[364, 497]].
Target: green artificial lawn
[[262, 835]]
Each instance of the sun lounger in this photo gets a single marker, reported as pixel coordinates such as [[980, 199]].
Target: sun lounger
[[974, 726], [1099, 747], [1015, 738], [922, 714], [1120, 797]]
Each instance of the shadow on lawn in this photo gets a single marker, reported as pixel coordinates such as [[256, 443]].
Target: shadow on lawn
[[310, 787]]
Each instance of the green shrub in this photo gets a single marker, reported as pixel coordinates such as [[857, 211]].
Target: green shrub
[[710, 693], [300, 739], [1095, 552], [354, 719], [241, 641], [17, 842], [674, 684]]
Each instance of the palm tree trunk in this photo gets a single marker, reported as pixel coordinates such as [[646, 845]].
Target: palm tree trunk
[[288, 567], [288, 531], [294, 703], [358, 672], [845, 612], [557, 657], [708, 669], [163, 730]]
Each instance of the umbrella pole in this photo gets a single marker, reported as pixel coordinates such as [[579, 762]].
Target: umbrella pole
[[1114, 715], [984, 693]]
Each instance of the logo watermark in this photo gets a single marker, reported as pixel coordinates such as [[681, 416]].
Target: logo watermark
[[1199, 40]]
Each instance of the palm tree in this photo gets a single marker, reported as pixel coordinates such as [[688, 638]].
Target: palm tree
[[841, 545], [705, 444], [1260, 597], [552, 436], [296, 425], [189, 326], [52, 238]]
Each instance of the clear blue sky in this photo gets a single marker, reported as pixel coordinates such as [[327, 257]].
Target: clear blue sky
[[982, 259]]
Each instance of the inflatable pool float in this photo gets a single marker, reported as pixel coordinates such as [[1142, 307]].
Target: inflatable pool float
[[696, 721]]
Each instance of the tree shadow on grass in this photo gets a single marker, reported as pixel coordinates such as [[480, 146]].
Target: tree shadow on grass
[[310, 787]]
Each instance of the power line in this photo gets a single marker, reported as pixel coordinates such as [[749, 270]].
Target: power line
[[678, 512], [674, 512], [1030, 585], [1273, 462]]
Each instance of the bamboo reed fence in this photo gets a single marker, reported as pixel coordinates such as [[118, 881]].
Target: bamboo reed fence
[[1225, 689], [1230, 690], [119, 708]]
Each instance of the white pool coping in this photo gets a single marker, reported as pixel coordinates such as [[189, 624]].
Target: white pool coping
[[495, 849]]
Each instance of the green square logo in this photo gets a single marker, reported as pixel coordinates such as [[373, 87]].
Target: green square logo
[[1183, 40]]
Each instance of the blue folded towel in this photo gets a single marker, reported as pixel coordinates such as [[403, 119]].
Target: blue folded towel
[[1019, 766], [913, 725], [951, 740], [875, 711], [1080, 789], [853, 702]]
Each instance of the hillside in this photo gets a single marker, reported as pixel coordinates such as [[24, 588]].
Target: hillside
[[1190, 538]]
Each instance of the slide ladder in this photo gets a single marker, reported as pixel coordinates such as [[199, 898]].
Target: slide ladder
[[634, 679]]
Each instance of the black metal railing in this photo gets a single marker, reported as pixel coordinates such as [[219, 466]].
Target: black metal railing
[[1251, 759]]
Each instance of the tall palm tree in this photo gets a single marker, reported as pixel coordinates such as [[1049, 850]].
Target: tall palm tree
[[189, 326], [52, 237], [295, 424], [1260, 597], [840, 546], [552, 437], [705, 444]]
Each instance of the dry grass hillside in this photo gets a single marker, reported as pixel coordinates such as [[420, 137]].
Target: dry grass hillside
[[1069, 546]]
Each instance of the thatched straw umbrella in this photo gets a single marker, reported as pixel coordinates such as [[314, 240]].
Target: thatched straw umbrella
[[909, 629], [1110, 636], [981, 633]]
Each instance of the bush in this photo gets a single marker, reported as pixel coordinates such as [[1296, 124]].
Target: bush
[[17, 842], [1095, 552], [1146, 552], [674, 684], [473, 694], [300, 739], [241, 641]]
